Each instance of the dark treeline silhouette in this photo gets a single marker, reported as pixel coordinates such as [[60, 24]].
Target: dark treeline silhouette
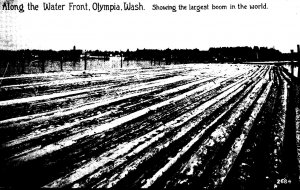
[[169, 56], [222, 54], [245, 54], [19, 55], [15, 62], [215, 55]]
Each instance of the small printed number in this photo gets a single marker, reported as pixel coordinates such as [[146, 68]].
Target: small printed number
[[283, 181]]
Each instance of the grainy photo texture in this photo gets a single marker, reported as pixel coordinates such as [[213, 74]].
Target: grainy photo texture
[[150, 94]]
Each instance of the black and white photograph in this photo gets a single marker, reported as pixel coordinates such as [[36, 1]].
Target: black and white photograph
[[140, 94]]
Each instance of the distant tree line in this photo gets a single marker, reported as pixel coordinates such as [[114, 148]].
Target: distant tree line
[[168, 56], [215, 55], [16, 61], [9, 55]]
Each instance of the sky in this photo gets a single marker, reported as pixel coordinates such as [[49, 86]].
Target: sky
[[278, 26]]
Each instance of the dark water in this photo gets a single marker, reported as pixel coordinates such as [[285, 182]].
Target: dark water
[[289, 68]]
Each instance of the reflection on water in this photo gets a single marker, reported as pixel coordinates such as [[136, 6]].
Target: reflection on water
[[96, 64]]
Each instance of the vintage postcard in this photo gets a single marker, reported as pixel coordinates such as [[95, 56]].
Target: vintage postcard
[[130, 94]]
